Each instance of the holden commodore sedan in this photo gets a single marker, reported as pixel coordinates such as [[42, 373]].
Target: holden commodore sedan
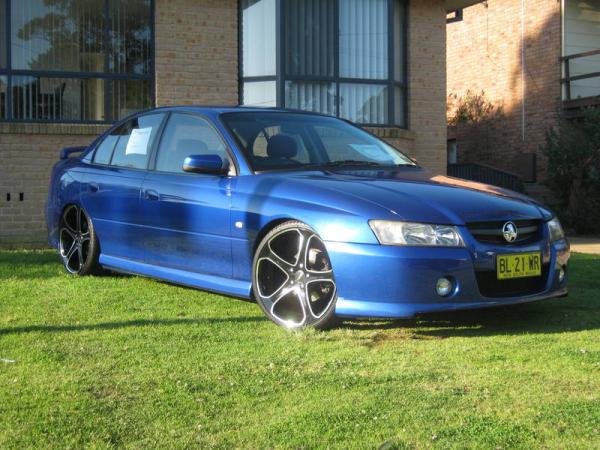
[[309, 215]]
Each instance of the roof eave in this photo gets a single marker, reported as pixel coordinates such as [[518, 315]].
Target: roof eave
[[451, 5]]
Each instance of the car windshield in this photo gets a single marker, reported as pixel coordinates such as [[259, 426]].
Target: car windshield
[[275, 141]]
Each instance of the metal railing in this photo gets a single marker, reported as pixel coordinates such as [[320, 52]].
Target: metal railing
[[486, 174], [567, 79]]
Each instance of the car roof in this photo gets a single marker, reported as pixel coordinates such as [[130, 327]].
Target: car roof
[[216, 110]]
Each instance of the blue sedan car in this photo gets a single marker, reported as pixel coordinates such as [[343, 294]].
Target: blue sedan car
[[310, 215]]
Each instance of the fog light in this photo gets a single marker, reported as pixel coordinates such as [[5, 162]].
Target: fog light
[[561, 275], [444, 287]]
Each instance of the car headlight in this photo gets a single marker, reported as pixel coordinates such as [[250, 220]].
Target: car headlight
[[555, 230], [410, 233]]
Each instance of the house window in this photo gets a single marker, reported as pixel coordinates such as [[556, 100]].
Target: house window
[[452, 148], [581, 39], [75, 60], [454, 16], [343, 58]]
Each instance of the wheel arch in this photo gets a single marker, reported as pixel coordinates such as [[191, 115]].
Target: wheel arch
[[262, 232], [80, 205], [68, 204]]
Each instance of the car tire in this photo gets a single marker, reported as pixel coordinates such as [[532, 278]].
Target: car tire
[[292, 278], [78, 245]]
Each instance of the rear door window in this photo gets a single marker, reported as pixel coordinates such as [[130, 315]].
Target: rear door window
[[134, 141]]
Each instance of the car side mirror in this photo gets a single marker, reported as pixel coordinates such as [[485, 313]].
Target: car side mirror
[[207, 164]]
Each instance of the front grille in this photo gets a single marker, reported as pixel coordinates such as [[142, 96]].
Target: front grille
[[529, 231], [490, 286]]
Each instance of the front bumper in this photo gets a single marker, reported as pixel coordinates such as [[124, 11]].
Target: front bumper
[[386, 281]]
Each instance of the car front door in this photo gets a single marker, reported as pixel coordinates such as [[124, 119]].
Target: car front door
[[188, 214], [113, 182]]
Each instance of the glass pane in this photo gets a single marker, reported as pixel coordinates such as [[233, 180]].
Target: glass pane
[[309, 39], [2, 33], [364, 39], [130, 36], [104, 150], [289, 145], [271, 140], [258, 38], [399, 107], [350, 143], [57, 35], [399, 35], [3, 104], [582, 34], [364, 103], [66, 99], [259, 93], [129, 97], [316, 97], [187, 135], [134, 142]]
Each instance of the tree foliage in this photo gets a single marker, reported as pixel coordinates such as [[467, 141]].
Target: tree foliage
[[573, 153], [73, 35], [471, 108]]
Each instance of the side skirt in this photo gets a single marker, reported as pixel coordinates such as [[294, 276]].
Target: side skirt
[[227, 286]]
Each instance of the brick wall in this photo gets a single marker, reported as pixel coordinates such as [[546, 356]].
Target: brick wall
[[427, 81], [196, 52], [485, 53], [27, 154], [196, 63]]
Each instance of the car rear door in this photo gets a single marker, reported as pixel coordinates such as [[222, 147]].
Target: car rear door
[[187, 215], [112, 186]]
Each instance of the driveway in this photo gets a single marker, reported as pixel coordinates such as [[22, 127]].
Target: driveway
[[585, 245]]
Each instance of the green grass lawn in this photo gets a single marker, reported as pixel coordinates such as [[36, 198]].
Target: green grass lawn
[[117, 361]]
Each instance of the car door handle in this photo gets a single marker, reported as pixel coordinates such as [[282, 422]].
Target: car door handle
[[150, 194], [93, 187]]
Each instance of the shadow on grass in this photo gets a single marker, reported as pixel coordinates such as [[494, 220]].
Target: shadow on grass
[[536, 318], [38, 264], [125, 324], [577, 312]]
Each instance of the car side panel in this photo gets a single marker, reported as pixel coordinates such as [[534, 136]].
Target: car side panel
[[187, 225], [260, 200], [65, 188], [111, 196]]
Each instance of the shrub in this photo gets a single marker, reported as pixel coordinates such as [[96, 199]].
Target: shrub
[[471, 108], [573, 153]]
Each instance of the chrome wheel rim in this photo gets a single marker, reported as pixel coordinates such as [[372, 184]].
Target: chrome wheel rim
[[294, 279], [74, 238]]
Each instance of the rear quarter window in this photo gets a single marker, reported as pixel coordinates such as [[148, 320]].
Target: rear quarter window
[[104, 151]]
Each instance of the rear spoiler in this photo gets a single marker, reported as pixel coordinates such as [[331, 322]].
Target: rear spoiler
[[67, 151]]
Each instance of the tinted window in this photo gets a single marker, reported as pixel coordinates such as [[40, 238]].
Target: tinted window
[[105, 149], [134, 141], [73, 39], [187, 135], [2, 35], [341, 57], [3, 103]]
